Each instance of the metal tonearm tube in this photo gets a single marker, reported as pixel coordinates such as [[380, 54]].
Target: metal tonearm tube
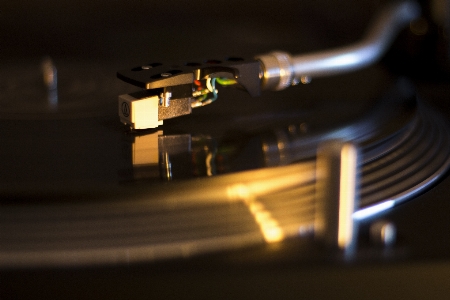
[[282, 70]]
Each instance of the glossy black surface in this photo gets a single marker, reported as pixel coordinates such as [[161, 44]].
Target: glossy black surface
[[80, 145]]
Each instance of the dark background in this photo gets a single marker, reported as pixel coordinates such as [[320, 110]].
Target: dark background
[[135, 30], [93, 39]]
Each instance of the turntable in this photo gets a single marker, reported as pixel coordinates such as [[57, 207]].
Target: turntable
[[308, 177]]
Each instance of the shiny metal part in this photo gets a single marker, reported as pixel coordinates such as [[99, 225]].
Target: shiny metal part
[[278, 70], [383, 233], [336, 193], [49, 73], [50, 76], [282, 70], [165, 97]]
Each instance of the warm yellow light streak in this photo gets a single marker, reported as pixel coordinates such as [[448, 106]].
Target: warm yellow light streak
[[269, 184], [270, 228], [347, 194]]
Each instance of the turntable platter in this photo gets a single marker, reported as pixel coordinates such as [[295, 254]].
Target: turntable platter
[[88, 164], [222, 200]]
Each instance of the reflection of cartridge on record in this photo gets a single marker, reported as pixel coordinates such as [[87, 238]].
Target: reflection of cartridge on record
[[152, 154], [145, 156]]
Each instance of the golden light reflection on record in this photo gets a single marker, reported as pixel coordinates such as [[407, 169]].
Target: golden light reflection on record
[[270, 228]]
